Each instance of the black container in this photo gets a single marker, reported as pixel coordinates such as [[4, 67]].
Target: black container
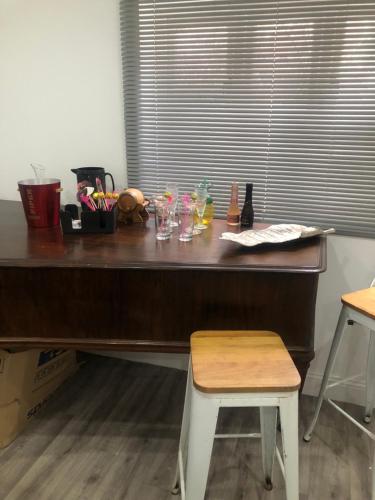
[[99, 221], [247, 214], [90, 174]]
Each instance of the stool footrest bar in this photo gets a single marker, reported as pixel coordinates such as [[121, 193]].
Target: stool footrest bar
[[230, 436], [353, 420], [280, 460], [343, 380]]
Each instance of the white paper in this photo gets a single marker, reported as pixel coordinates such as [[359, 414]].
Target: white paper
[[278, 233]]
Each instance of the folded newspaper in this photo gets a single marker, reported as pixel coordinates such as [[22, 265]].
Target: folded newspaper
[[278, 233]]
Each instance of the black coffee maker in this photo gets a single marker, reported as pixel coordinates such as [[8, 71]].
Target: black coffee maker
[[90, 174]]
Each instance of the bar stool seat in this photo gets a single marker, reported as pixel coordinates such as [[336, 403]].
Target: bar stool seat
[[238, 369], [357, 307], [362, 301], [242, 361]]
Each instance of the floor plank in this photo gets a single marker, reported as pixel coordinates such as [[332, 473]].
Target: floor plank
[[111, 432]]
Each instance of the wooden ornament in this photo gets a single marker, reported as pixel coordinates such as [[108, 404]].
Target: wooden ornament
[[131, 206]]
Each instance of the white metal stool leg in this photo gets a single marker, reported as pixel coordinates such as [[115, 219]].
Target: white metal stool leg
[[370, 376], [198, 434], [203, 418], [373, 473], [331, 359], [268, 421], [370, 379], [183, 434], [289, 433]]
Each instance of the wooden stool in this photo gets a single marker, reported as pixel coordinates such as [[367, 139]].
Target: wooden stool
[[357, 307], [238, 369]]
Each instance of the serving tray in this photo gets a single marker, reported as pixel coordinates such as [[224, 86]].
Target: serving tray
[[277, 233]]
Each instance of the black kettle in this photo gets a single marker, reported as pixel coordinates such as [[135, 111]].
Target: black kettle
[[90, 174]]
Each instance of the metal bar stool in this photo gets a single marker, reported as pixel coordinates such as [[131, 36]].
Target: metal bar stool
[[357, 307], [238, 369]]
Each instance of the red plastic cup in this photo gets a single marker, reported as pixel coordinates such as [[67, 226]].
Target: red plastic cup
[[41, 201]]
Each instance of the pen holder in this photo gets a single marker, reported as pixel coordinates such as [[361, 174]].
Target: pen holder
[[99, 221]]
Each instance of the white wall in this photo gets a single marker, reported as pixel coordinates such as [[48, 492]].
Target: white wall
[[351, 266], [61, 105], [60, 90]]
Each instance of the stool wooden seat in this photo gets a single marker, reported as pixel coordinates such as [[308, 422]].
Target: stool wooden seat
[[242, 361], [362, 301], [238, 369]]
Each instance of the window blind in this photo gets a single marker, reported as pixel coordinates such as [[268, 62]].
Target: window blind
[[278, 93]]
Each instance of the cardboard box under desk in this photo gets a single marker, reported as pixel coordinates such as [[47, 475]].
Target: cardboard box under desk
[[27, 379]]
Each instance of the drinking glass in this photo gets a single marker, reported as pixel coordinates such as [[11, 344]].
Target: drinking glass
[[200, 204], [162, 217], [172, 190], [186, 218]]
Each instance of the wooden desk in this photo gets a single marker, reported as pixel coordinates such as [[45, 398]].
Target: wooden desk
[[128, 291]]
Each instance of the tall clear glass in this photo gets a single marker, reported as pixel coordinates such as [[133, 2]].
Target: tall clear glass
[[201, 195], [172, 191], [162, 217], [186, 218]]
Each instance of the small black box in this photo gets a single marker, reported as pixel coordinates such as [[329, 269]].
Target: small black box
[[99, 221]]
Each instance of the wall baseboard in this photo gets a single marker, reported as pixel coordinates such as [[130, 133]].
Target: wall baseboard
[[178, 361], [352, 391]]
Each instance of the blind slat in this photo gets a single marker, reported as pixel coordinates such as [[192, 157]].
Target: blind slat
[[280, 93]]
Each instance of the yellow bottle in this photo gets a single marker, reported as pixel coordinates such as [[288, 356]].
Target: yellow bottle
[[209, 211]]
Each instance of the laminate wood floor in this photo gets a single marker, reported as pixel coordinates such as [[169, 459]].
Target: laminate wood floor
[[111, 432]]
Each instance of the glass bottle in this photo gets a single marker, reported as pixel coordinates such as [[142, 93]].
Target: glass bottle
[[209, 211], [233, 214], [247, 214]]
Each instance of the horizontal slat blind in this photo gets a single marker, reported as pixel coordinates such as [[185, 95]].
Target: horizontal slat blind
[[275, 92]]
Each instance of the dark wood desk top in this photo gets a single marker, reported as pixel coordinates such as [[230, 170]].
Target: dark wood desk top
[[135, 247]]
